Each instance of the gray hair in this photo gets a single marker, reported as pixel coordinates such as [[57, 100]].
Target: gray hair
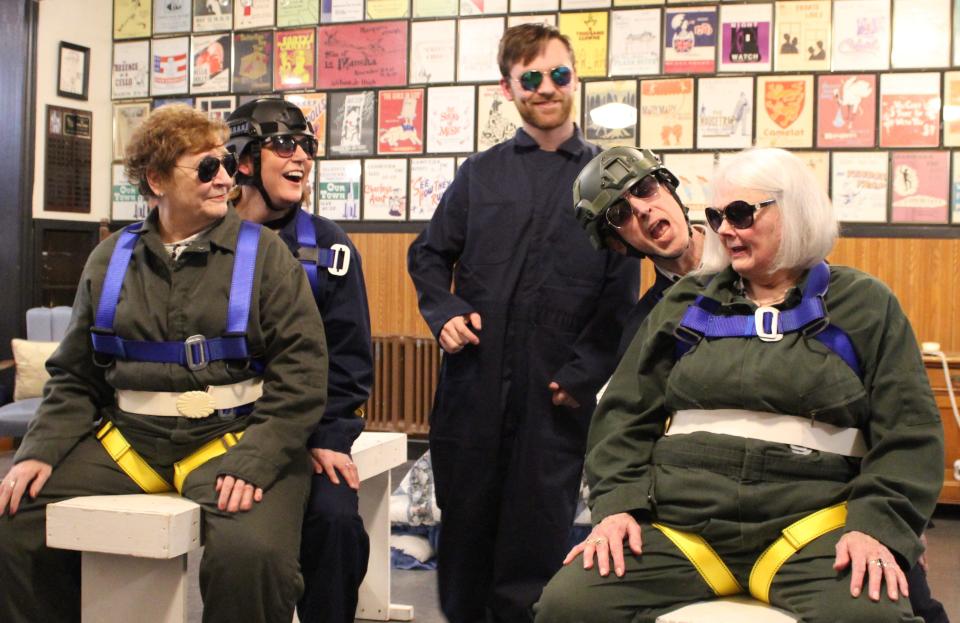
[[810, 228]]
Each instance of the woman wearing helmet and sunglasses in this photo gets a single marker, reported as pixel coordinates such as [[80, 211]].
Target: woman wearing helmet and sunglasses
[[195, 362], [276, 146], [770, 429]]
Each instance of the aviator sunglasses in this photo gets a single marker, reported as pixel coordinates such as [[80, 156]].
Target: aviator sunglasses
[[209, 166], [285, 146], [531, 79], [738, 213], [620, 212]]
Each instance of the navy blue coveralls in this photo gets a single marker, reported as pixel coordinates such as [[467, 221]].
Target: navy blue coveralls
[[335, 547], [506, 461]]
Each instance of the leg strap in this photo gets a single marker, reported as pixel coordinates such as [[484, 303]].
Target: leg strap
[[130, 461], [146, 477], [711, 568], [795, 536]]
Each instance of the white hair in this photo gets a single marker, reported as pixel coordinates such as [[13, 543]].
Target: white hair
[[810, 228]]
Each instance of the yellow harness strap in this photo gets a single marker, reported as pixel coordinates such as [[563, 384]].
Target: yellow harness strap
[[795, 536], [208, 451], [145, 476], [711, 568], [130, 461]]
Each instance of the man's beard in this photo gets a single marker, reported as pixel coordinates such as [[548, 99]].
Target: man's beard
[[531, 116]]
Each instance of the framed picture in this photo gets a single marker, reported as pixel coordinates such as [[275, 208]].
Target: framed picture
[[73, 76]]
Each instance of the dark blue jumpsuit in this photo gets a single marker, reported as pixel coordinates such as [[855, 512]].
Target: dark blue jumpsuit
[[335, 547], [506, 461]]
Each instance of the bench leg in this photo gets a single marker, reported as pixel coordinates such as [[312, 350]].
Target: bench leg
[[374, 597], [125, 588]]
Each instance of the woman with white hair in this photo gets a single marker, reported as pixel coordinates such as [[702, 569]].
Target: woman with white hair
[[770, 430]]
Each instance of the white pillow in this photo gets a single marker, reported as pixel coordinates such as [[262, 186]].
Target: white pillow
[[30, 357]]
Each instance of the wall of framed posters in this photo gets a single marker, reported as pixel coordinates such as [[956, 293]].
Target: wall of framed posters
[[401, 91]]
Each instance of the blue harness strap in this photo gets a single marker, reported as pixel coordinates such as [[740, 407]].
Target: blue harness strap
[[809, 317], [312, 257], [196, 351]]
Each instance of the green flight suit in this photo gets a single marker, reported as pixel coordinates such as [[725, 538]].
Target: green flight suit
[[738, 493], [250, 568]]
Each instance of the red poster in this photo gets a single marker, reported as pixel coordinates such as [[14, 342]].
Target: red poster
[[371, 54], [293, 66], [400, 122], [921, 186], [910, 110], [847, 110]]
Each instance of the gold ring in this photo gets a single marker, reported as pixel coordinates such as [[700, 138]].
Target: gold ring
[[880, 563], [599, 540], [11, 483]]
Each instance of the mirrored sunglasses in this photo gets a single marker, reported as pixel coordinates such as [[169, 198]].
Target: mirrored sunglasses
[[286, 146], [620, 212], [209, 166], [531, 80], [739, 214]]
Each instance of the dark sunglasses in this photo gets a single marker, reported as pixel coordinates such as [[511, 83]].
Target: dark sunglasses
[[738, 213], [209, 166], [531, 79], [620, 212], [286, 146]]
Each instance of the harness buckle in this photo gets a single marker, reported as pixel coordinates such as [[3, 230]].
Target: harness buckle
[[816, 327], [341, 252], [687, 335], [198, 356], [774, 334]]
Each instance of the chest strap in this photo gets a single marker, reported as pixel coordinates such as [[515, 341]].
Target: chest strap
[[769, 323], [794, 537], [336, 259], [772, 427], [147, 478], [196, 351]]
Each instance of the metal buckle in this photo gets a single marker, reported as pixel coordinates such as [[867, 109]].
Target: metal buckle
[[687, 335], [339, 251], [200, 362], [773, 335]]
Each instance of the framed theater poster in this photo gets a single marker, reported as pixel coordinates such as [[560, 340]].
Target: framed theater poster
[[385, 189], [253, 62], [429, 179], [130, 76], [338, 189], [635, 42], [847, 110], [432, 47], [588, 35], [249, 14], [211, 15], [216, 106], [126, 202], [450, 112], [294, 55], [910, 110], [171, 16], [695, 174], [477, 49], [690, 40], [497, 118], [921, 34], [127, 117], [131, 19], [352, 123], [785, 111], [666, 113], [861, 35], [210, 67], [297, 13], [400, 122], [351, 56], [337, 11], [920, 181], [73, 72], [725, 115], [745, 31], [610, 109], [802, 36], [169, 63], [314, 109], [859, 183]]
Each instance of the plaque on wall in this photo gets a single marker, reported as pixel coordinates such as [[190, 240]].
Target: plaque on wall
[[67, 170]]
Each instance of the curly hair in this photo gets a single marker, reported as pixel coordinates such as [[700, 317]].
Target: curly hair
[[168, 133], [522, 44]]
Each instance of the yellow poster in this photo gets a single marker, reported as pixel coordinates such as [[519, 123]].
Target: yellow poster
[[785, 111], [666, 113], [588, 34], [637, 2], [802, 39], [131, 18], [388, 9]]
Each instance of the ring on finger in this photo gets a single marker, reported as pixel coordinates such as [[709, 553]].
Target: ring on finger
[[883, 564], [599, 540], [11, 483]]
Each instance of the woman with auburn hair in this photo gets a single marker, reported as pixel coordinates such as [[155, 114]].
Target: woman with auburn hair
[[770, 430], [193, 342]]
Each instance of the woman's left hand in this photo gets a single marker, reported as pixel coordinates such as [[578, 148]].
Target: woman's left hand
[[330, 462], [864, 554]]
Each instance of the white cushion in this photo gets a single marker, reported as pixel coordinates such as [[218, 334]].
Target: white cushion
[[740, 608], [30, 358]]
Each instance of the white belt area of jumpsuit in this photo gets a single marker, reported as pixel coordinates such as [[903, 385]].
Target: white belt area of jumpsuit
[[192, 404], [772, 427]]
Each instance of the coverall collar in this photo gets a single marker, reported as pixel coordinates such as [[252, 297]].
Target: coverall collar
[[573, 146]]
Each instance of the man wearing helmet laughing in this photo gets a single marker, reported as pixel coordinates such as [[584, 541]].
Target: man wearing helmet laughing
[[276, 146]]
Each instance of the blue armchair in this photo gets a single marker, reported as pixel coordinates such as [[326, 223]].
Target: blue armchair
[[44, 324]]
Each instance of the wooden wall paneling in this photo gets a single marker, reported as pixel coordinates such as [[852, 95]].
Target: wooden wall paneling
[[392, 297]]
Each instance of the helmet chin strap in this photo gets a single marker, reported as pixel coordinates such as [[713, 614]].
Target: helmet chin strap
[[256, 180]]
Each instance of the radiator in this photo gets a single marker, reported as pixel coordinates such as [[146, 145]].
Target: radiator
[[405, 373]]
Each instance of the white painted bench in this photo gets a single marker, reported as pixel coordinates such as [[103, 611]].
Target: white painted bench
[[134, 564], [740, 608]]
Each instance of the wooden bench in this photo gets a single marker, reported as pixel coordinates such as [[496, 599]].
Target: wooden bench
[[134, 563]]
